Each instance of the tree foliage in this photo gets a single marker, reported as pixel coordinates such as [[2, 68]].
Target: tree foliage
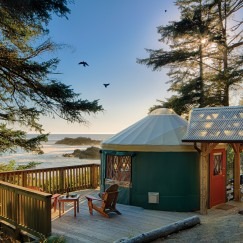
[[205, 56], [28, 87], [12, 165]]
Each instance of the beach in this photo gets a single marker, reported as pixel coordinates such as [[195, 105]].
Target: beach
[[52, 156]]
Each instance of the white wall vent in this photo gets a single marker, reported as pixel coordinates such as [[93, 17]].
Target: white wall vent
[[153, 197]]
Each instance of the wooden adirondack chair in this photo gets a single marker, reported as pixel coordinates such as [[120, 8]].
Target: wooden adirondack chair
[[54, 197], [106, 204]]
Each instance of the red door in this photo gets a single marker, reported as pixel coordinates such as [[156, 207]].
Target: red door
[[217, 177]]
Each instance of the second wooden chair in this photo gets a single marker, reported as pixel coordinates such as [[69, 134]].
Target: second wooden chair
[[106, 204]]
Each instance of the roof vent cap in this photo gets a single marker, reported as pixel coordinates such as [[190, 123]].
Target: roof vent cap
[[162, 111]]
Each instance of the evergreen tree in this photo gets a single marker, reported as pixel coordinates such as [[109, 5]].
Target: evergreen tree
[[227, 58], [196, 60], [28, 89]]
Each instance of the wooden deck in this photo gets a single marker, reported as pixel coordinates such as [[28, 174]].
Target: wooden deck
[[96, 228]]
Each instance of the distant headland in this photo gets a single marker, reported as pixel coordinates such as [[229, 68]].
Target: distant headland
[[78, 141]]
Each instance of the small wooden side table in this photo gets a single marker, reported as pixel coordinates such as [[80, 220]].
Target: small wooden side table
[[74, 199]]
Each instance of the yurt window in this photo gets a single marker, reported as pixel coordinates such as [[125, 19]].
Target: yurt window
[[118, 167]]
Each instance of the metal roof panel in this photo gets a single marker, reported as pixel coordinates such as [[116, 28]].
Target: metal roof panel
[[218, 124]]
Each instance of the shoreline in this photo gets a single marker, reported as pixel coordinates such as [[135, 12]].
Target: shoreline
[[52, 156]]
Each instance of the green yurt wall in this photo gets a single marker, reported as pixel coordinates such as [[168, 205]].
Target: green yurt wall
[[153, 167], [174, 176]]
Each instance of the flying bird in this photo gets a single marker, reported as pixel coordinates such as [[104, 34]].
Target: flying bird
[[165, 10], [106, 85], [83, 63]]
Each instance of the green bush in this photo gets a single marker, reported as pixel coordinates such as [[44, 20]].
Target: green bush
[[11, 165], [55, 239]]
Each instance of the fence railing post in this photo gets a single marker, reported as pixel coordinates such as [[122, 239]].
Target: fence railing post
[[24, 179], [94, 176], [62, 181]]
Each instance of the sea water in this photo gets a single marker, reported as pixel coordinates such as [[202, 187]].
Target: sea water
[[53, 153]]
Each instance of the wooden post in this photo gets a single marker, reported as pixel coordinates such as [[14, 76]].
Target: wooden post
[[93, 175], [62, 187], [24, 179], [206, 148], [237, 191], [204, 178], [47, 216]]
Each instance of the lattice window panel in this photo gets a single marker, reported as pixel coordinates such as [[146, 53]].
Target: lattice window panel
[[118, 167]]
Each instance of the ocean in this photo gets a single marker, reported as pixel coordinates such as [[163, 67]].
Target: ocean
[[52, 156]]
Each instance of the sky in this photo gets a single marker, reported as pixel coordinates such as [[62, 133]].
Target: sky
[[110, 35]]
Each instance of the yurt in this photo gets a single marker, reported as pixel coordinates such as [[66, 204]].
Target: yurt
[[152, 166]]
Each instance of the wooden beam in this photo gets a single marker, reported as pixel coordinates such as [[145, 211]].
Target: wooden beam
[[210, 147], [237, 192], [241, 147], [204, 178]]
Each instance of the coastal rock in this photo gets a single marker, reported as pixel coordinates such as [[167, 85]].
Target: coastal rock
[[89, 153], [78, 141]]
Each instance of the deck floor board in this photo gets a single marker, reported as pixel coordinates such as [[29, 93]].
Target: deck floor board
[[88, 228]]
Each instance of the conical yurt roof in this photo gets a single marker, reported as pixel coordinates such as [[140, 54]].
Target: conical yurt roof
[[160, 130]]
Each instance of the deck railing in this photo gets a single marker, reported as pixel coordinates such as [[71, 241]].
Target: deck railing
[[24, 210], [30, 210], [56, 180]]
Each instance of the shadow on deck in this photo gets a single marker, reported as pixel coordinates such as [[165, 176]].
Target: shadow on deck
[[96, 228]]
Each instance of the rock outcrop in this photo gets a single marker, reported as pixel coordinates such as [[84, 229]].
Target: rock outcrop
[[89, 153]]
